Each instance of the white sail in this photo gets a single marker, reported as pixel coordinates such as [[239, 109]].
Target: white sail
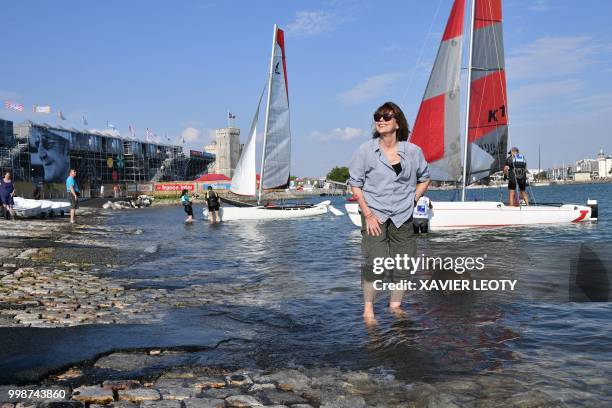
[[244, 181], [277, 138]]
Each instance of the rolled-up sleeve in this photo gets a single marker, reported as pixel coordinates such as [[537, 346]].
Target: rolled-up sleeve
[[357, 169], [422, 169]]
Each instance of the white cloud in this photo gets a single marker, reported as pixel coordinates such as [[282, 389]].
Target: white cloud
[[529, 94], [371, 88], [552, 56], [539, 5], [191, 134], [343, 134], [311, 23]]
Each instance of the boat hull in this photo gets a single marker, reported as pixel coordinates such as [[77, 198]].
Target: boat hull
[[447, 215], [269, 213]]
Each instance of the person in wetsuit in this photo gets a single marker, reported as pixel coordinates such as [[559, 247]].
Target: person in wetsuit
[[214, 204], [515, 171], [186, 201]]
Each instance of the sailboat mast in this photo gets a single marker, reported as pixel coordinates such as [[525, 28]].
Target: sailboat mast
[[263, 154], [467, 108]]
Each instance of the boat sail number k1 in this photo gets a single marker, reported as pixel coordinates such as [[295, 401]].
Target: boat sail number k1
[[437, 127]]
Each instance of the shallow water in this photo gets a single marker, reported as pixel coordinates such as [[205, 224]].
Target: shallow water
[[291, 291]]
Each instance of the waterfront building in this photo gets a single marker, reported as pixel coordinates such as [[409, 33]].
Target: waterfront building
[[604, 165], [42, 154]]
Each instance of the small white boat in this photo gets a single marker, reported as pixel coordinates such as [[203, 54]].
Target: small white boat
[[449, 215], [276, 152], [273, 212], [58, 207], [25, 208], [46, 207]]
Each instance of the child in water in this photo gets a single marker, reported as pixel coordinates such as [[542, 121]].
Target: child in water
[[186, 201]]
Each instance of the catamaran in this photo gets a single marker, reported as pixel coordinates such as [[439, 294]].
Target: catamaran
[[437, 128], [275, 161]]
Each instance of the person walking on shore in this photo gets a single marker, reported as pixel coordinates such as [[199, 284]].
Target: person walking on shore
[[387, 175], [72, 188], [7, 192], [186, 201], [214, 204]]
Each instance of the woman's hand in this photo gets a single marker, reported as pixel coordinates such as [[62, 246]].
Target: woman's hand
[[372, 224]]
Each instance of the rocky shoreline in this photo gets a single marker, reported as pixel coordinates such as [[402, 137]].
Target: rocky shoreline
[[141, 379]]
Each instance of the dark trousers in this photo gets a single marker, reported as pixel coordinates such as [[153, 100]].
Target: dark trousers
[[391, 242]]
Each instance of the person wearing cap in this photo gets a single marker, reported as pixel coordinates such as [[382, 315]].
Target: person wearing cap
[[515, 171]]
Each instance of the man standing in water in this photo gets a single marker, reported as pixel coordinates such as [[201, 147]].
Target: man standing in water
[[212, 200], [516, 172], [72, 188]]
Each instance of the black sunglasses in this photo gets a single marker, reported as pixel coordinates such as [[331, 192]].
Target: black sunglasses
[[384, 116]]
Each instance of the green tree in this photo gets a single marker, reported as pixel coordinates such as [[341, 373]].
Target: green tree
[[340, 174]]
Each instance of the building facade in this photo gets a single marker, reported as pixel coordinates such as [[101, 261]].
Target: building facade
[[42, 154]]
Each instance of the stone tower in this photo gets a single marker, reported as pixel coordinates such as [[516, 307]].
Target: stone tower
[[228, 150]]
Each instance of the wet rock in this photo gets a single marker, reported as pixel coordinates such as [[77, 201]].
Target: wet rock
[[221, 393], [287, 380], [533, 399], [302, 406], [160, 404], [238, 379], [93, 395], [121, 384], [342, 401], [178, 393], [260, 387], [204, 403], [7, 405], [60, 404], [209, 382], [139, 395], [126, 361], [273, 396], [242, 401]]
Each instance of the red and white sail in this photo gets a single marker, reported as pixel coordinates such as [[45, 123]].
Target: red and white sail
[[488, 109], [277, 139], [437, 128]]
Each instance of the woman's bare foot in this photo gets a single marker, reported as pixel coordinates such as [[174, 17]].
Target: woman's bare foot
[[397, 311], [368, 313]]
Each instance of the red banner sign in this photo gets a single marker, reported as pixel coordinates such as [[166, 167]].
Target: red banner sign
[[195, 153], [174, 187]]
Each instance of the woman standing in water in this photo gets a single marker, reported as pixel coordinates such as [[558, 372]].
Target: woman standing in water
[[7, 191], [186, 201], [387, 175]]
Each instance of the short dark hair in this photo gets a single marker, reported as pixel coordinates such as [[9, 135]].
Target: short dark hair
[[209, 187], [404, 129], [183, 192], [9, 173]]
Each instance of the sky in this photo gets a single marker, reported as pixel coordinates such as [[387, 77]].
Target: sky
[[177, 67]]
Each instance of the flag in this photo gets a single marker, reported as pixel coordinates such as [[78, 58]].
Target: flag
[[13, 106], [60, 115], [84, 120], [41, 109], [230, 116], [132, 131]]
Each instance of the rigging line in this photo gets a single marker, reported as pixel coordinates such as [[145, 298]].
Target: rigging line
[[412, 73]]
